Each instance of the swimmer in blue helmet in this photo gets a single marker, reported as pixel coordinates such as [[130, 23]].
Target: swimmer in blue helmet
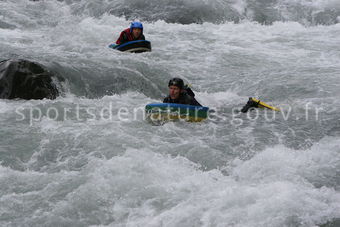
[[135, 32]]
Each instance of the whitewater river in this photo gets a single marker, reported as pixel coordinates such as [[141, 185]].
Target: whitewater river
[[88, 158]]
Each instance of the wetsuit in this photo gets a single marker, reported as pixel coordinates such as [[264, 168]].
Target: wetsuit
[[126, 36], [184, 98]]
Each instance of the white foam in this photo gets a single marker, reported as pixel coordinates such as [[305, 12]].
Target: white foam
[[141, 187]]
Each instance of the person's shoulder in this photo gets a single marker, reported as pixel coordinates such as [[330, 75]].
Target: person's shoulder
[[190, 100], [185, 98], [125, 32], [186, 95]]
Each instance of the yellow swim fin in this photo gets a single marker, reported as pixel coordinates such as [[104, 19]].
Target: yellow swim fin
[[264, 105]]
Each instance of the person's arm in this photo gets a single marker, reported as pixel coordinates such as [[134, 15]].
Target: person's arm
[[122, 38], [142, 37], [119, 39]]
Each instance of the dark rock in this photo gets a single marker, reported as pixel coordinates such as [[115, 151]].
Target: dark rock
[[26, 80]]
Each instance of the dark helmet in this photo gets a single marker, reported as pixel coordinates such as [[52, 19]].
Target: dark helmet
[[136, 24], [178, 82]]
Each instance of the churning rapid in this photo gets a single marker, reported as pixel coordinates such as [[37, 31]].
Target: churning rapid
[[88, 158]]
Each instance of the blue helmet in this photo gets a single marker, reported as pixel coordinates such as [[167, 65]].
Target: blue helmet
[[136, 24]]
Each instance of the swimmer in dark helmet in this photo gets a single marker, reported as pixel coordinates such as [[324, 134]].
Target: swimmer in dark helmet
[[135, 32], [178, 93]]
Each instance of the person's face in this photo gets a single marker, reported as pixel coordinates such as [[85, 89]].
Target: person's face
[[136, 32], [174, 92]]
